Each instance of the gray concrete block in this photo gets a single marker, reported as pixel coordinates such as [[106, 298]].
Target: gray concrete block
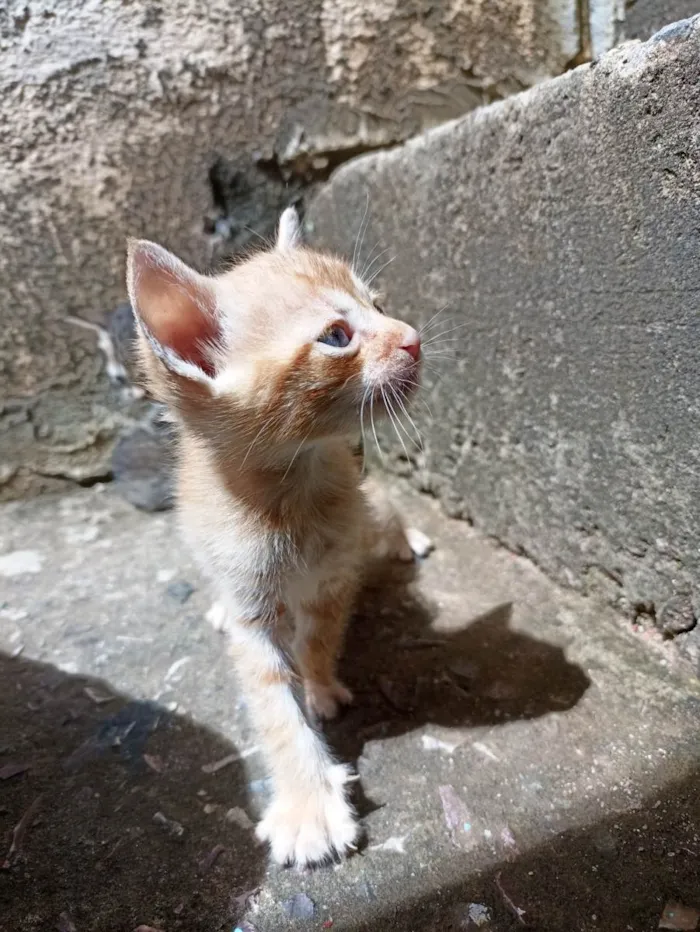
[[560, 228], [643, 18]]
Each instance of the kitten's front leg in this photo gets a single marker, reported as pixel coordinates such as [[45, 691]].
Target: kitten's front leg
[[309, 818], [321, 619]]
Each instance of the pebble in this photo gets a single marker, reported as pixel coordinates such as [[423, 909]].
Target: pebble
[[300, 906], [21, 563], [180, 591]]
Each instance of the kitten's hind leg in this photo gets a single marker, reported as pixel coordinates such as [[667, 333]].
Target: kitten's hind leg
[[309, 818], [320, 626]]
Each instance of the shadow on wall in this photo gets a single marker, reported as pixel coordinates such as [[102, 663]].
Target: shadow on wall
[[122, 826]]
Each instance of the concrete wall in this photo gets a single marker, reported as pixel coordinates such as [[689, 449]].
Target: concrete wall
[[191, 123], [561, 229], [642, 18]]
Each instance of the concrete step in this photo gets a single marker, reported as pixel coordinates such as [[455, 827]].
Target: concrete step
[[519, 746], [557, 231]]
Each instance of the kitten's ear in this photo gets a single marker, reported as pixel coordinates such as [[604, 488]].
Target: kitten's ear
[[289, 230], [176, 309]]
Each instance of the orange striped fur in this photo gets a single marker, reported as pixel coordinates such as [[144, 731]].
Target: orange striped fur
[[271, 498]]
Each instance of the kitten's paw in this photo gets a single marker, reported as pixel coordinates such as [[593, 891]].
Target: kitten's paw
[[322, 701], [307, 830], [216, 616], [418, 542]]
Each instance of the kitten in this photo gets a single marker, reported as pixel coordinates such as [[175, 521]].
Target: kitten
[[268, 369]]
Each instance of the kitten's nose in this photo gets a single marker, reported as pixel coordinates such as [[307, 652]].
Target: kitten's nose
[[412, 346]]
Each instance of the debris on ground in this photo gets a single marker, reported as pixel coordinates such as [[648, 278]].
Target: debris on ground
[[366, 890], [300, 906], [516, 910], [176, 829], [245, 926], [421, 643], [180, 591], [154, 762], [18, 833], [457, 818], [240, 902], [65, 923], [436, 744], [239, 817], [147, 929], [175, 668], [395, 843], [12, 770], [679, 918], [478, 915], [220, 764], [209, 860], [97, 697]]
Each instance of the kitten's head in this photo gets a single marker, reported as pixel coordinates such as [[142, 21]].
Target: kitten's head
[[286, 347]]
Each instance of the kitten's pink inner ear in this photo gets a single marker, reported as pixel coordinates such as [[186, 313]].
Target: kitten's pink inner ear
[[176, 304]]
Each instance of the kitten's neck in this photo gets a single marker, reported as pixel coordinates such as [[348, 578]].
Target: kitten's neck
[[284, 489]]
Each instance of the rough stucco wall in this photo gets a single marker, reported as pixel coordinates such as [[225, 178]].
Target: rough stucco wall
[[113, 115], [560, 228]]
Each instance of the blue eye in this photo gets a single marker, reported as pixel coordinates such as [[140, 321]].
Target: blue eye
[[338, 336]]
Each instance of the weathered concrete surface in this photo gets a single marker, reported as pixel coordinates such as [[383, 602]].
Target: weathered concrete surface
[[192, 123], [574, 749], [642, 18], [560, 230]]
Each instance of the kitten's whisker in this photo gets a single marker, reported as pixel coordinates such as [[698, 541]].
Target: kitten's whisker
[[296, 453], [255, 440], [433, 320], [365, 263], [402, 405], [374, 429], [394, 419], [379, 271], [427, 406], [362, 429], [379, 255], [443, 333], [360, 234]]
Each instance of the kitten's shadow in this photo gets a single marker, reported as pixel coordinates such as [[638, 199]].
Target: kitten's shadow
[[405, 675]]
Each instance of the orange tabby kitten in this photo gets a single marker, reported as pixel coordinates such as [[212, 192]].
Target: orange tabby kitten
[[267, 369]]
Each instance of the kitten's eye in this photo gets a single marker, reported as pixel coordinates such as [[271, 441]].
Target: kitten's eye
[[378, 307], [339, 335]]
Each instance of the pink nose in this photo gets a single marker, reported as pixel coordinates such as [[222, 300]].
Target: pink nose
[[412, 347]]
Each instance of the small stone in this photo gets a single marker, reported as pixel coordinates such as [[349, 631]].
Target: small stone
[[478, 915], [170, 825], [300, 906], [679, 918], [677, 616], [21, 562], [180, 591], [239, 817]]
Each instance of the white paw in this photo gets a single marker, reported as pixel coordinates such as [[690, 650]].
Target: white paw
[[420, 543], [216, 616], [322, 701], [308, 829]]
